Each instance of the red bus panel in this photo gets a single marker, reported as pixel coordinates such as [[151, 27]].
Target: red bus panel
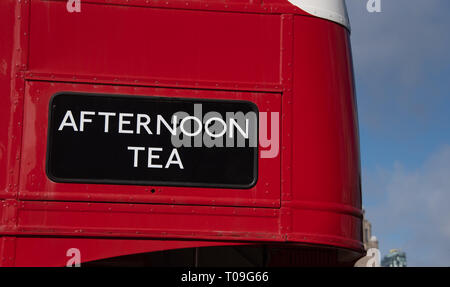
[[161, 44], [305, 208], [35, 185]]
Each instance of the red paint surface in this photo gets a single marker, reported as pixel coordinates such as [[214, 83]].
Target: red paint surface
[[35, 185], [269, 53]]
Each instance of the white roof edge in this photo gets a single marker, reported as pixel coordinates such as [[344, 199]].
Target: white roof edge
[[333, 10]]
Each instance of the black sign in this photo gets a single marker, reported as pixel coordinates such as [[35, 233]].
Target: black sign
[[143, 140]]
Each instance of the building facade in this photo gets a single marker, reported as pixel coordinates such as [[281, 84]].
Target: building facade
[[372, 258], [395, 258]]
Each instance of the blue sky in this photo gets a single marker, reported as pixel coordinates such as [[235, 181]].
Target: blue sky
[[402, 69]]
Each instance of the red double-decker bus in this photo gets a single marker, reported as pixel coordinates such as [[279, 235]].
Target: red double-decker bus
[[178, 133]]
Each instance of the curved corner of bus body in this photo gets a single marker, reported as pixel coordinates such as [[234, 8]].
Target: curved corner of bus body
[[299, 205], [326, 176]]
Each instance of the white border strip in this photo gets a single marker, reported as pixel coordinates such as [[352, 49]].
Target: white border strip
[[334, 10]]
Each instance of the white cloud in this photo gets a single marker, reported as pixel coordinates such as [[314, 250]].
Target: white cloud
[[412, 211], [401, 60]]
